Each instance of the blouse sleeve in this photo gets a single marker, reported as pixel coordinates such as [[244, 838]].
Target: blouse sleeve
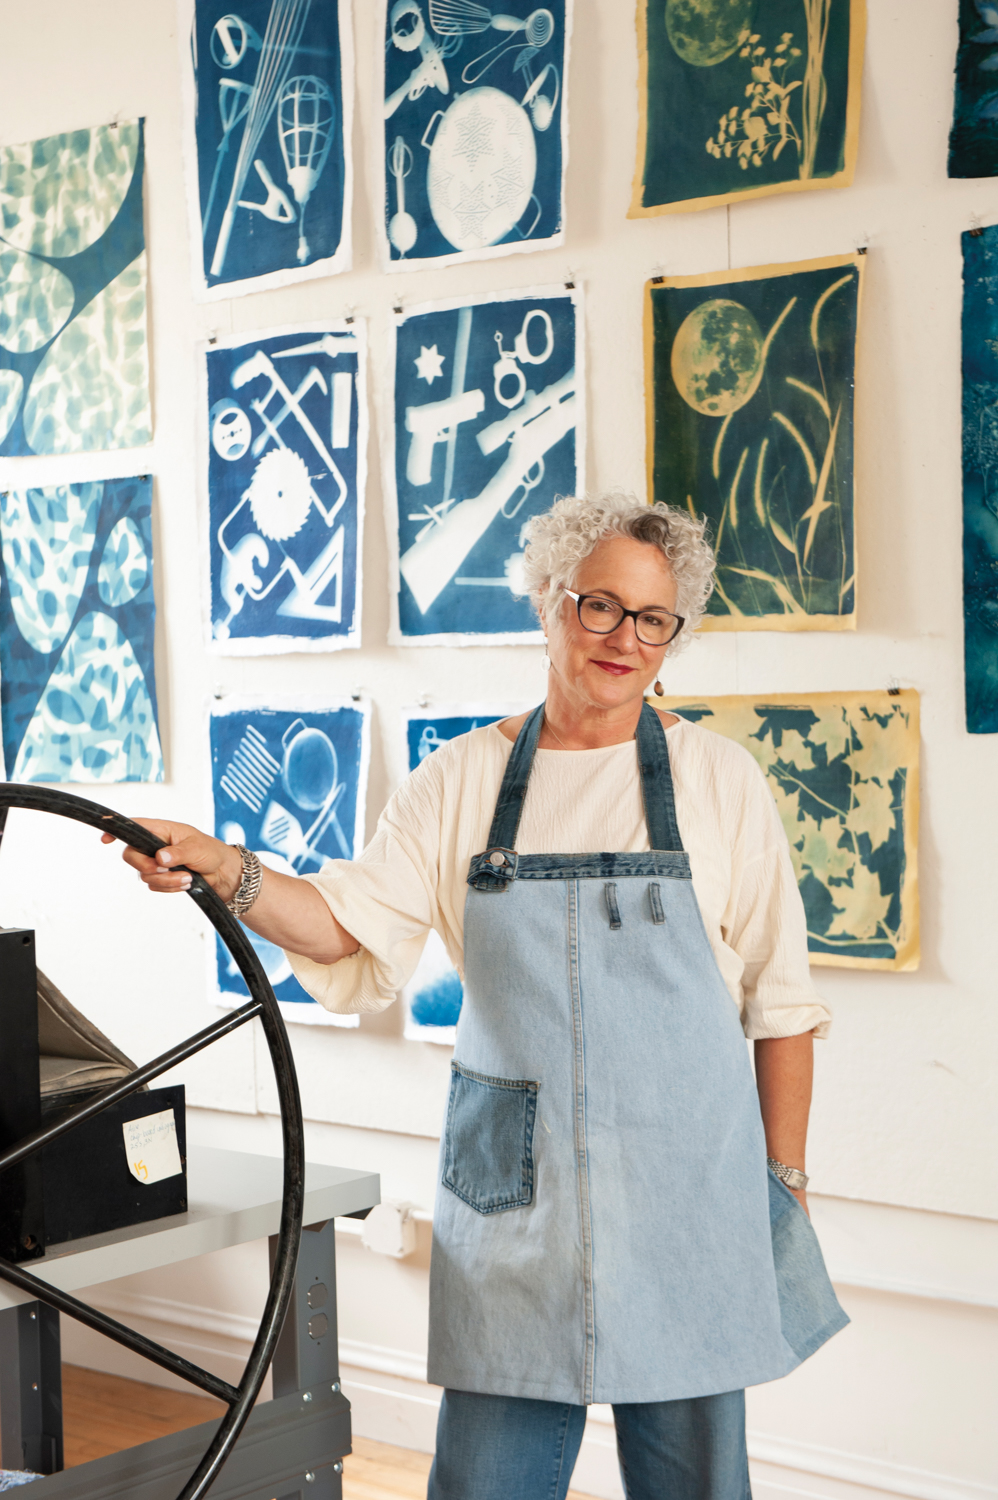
[[387, 900], [766, 926]]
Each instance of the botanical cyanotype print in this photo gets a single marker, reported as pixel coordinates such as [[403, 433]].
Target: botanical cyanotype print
[[980, 478], [488, 431], [843, 768], [74, 365], [271, 137], [77, 619], [288, 783], [285, 464], [973, 142], [475, 128], [750, 423], [740, 98]]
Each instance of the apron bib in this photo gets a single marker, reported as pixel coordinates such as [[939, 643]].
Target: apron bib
[[606, 1229]]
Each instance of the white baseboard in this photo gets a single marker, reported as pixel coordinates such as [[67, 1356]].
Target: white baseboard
[[392, 1403]]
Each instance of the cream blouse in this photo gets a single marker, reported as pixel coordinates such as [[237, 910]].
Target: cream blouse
[[412, 875]]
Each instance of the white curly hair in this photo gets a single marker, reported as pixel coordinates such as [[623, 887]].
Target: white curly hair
[[563, 537]]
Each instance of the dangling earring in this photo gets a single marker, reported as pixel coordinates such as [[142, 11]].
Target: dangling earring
[[545, 661], [659, 690]]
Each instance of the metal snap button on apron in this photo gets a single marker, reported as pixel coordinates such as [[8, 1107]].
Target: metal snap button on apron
[[643, 1264]]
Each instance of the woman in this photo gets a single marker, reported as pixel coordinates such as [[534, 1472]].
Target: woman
[[606, 1229]]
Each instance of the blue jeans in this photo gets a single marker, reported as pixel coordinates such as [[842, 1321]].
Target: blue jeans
[[509, 1448]]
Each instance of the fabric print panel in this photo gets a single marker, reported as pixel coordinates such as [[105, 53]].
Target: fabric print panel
[[844, 769], [750, 391], [980, 479], [476, 129], [973, 142], [77, 623], [74, 361], [489, 429], [432, 998], [285, 467], [743, 98], [268, 104], [290, 783]]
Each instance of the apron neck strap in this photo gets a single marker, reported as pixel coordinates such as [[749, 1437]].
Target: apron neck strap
[[656, 783], [509, 805]]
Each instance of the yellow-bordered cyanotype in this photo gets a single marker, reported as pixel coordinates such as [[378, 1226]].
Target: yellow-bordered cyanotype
[[843, 768], [750, 385], [744, 98]]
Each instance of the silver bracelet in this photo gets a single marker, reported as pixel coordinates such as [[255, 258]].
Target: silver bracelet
[[249, 886], [792, 1176]]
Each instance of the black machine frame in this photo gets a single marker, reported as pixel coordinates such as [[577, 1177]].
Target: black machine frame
[[262, 1004]]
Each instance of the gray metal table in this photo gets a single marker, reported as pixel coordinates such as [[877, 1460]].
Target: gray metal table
[[292, 1447]]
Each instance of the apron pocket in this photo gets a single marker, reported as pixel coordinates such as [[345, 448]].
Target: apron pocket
[[488, 1151], [809, 1309]]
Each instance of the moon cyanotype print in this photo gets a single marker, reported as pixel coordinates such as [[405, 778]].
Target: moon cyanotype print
[[717, 357], [705, 32]]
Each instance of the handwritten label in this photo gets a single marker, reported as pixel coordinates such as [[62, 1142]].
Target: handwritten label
[[151, 1147]]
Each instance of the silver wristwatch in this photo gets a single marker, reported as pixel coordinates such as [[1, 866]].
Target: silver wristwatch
[[794, 1179], [249, 886]]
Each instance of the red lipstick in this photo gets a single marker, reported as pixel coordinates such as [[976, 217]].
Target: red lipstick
[[616, 669]]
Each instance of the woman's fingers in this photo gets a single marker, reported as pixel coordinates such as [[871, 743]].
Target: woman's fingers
[[184, 846], [166, 884]]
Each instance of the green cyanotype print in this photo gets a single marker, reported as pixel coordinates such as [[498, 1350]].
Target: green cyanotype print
[[750, 387]]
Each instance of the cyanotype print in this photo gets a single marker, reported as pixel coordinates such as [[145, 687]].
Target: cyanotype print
[[286, 452], [843, 768], [74, 365], [980, 478], [742, 98], [289, 783], [271, 148], [433, 996], [973, 141], [488, 430], [476, 129], [77, 618], [750, 423]]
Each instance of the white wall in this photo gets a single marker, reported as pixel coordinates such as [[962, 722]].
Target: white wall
[[903, 1115]]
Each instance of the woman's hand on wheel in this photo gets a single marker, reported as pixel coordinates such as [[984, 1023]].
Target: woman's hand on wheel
[[220, 864]]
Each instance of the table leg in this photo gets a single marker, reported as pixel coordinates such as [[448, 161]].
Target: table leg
[[307, 1354], [30, 1388]]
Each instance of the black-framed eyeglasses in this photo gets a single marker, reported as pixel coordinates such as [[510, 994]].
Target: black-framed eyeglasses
[[653, 627]]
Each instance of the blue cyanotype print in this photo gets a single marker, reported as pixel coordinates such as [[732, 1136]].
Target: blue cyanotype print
[[77, 619], [270, 136], [433, 996], [425, 734], [488, 412], [980, 478], [973, 141], [290, 785], [474, 120], [74, 366], [286, 434]]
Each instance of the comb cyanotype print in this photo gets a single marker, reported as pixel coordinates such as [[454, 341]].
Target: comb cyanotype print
[[289, 783]]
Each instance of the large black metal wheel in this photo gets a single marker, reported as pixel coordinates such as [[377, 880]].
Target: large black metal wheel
[[263, 1004]]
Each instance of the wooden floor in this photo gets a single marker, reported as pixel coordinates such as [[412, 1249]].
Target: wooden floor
[[105, 1413]]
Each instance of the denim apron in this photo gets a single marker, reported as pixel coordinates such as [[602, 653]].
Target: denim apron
[[606, 1228]]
